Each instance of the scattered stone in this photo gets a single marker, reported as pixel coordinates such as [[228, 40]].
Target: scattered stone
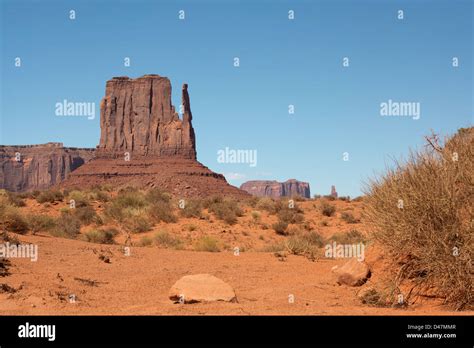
[[5, 288], [201, 288], [352, 273]]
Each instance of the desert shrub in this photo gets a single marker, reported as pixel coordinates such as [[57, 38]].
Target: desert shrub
[[226, 210], [421, 212], [266, 204], [100, 236], [350, 237], [155, 195], [162, 211], [191, 227], [167, 240], [67, 226], [291, 215], [344, 198], [145, 241], [13, 220], [256, 216], [280, 227], [40, 223], [274, 247], [137, 221], [298, 246], [349, 218], [207, 243], [126, 199], [16, 199], [85, 214], [50, 196], [330, 197], [327, 209], [81, 199], [192, 209], [252, 201], [314, 238]]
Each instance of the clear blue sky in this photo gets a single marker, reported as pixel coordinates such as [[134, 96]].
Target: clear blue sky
[[282, 62]]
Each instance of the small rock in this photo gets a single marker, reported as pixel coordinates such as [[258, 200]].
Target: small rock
[[352, 273], [201, 288]]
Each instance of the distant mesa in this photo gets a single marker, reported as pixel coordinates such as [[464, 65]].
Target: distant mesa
[[143, 143], [275, 189], [38, 167]]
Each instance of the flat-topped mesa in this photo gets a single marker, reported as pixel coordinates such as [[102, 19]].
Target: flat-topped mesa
[[275, 189], [137, 117]]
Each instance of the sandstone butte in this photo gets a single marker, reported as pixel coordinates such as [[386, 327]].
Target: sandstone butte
[[275, 189], [143, 143]]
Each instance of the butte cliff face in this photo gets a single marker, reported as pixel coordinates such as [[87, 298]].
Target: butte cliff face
[[137, 117], [37, 167], [275, 189], [145, 144]]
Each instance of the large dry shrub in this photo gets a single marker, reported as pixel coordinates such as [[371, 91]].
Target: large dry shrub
[[421, 212]]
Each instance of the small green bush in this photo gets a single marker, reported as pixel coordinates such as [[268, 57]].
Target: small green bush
[[40, 223]]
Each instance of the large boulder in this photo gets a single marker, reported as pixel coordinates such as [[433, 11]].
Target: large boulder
[[352, 273], [201, 288]]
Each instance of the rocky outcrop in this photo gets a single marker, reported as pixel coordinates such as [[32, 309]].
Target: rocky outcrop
[[145, 144], [36, 167], [275, 189], [137, 117]]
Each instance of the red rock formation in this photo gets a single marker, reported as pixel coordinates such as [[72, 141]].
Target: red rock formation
[[36, 167], [333, 191], [137, 116], [275, 189]]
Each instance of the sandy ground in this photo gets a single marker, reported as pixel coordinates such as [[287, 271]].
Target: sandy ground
[[138, 284]]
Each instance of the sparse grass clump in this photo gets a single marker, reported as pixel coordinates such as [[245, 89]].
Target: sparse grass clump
[[421, 213], [256, 216], [327, 209], [207, 243], [167, 240], [50, 196]]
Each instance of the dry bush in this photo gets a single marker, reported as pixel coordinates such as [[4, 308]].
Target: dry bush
[[280, 227], [326, 208], [421, 213], [227, 210], [192, 209], [50, 196], [40, 223], [67, 226], [85, 214], [350, 237], [81, 199], [207, 243], [12, 219], [162, 211], [167, 240], [101, 236], [349, 218]]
